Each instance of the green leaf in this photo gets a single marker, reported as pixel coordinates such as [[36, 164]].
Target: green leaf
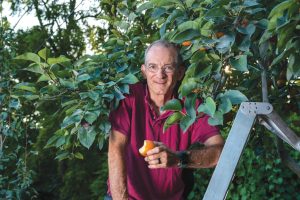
[[250, 3], [15, 103], [122, 67], [157, 12], [124, 88], [101, 141], [26, 86], [3, 116], [189, 3], [188, 86], [29, 56], [30, 97], [2, 97], [235, 96], [51, 142], [122, 25], [293, 69], [91, 94], [78, 155], [188, 25], [185, 36], [74, 118], [225, 105], [240, 63], [86, 136], [254, 11], [129, 79], [285, 34], [118, 94], [62, 156], [249, 30], [166, 2], [208, 107], [174, 15], [172, 119], [105, 126], [204, 72], [36, 68], [225, 43], [245, 45], [277, 12], [186, 122], [262, 24], [68, 84], [206, 29], [83, 77], [60, 59], [144, 6], [90, 117], [44, 77], [215, 12], [280, 8], [190, 104], [132, 17], [173, 104], [60, 141], [44, 53], [290, 47], [266, 36], [217, 119]]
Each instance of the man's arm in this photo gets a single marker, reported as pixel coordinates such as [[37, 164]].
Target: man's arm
[[208, 155], [116, 165], [205, 157]]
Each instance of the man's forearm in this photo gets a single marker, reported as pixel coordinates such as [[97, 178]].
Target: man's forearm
[[117, 173], [205, 157]]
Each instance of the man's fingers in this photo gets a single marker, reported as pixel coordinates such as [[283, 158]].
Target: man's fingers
[[155, 150], [152, 157], [155, 166], [154, 162]]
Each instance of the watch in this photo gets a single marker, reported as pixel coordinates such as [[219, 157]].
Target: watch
[[183, 159]]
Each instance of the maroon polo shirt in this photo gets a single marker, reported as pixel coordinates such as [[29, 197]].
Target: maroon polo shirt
[[138, 121]]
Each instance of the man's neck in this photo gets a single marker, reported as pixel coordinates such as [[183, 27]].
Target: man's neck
[[158, 101]]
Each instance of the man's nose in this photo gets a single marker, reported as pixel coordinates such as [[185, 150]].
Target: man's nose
[[161, 73]]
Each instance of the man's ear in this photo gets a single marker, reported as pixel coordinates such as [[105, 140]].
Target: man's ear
[[143, 70]]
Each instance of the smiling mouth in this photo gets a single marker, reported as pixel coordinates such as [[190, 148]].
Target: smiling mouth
[[161, 83]]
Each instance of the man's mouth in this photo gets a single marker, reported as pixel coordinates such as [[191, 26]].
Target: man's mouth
[[160, 82]]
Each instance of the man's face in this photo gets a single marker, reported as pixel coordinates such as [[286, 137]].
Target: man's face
[[161, 71]]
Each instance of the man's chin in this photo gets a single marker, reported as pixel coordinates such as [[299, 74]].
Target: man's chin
[[161, 92]]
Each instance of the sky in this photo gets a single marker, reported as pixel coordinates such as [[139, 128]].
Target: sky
[[29, 19]]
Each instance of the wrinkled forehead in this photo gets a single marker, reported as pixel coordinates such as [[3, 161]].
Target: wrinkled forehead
[[161, 54]]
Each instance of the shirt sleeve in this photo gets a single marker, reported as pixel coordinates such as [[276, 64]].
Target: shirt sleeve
[[121, 116], [202, 130]]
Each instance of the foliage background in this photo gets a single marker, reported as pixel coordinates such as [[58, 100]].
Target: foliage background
[[54, 101]]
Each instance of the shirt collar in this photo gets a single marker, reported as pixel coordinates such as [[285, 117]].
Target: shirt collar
[[148, 102]]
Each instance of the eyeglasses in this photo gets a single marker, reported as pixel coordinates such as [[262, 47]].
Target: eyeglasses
[[166, 68]]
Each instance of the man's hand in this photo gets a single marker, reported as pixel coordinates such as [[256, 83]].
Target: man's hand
[[206, 157], [161, 157]]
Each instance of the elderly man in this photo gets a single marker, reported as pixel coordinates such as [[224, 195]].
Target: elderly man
[[138, 117]]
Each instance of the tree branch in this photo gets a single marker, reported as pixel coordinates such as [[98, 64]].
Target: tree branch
[[39, 16]]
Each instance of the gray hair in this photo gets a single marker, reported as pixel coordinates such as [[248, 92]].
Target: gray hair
[[166, 44]]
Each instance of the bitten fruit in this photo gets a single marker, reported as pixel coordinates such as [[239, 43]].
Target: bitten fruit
[[148, 145]]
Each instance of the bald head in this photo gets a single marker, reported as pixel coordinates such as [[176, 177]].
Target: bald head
[[168, 45]]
